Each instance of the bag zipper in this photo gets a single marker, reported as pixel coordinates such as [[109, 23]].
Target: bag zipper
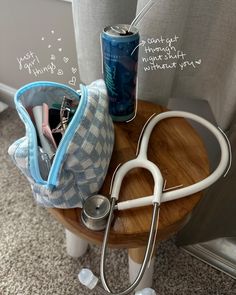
[[63, 145]]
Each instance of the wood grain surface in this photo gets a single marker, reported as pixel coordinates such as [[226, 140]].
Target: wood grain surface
[[179, 153]]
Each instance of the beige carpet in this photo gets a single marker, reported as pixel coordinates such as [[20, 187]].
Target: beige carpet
[[33, 259]]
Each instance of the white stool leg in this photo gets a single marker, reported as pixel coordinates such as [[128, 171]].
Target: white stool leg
[[75, 246], [135, 262]]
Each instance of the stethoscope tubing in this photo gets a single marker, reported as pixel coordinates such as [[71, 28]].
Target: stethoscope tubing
[[142, 161], [138, 163]]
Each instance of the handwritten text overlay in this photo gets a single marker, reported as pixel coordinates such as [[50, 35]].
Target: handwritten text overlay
[[30, 62], [162, 54]]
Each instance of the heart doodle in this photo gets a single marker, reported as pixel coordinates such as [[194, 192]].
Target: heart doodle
[[198, 61], [59, 72], [66, 59], [53, 57], [74, 70], [72, 81]]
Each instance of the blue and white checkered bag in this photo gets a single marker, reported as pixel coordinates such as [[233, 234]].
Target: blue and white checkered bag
[[83, 155]]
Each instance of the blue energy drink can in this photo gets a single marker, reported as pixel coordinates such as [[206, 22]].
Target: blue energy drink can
[[120, 63]]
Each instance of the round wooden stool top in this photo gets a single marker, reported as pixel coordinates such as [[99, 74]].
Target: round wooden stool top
[[180, 155]]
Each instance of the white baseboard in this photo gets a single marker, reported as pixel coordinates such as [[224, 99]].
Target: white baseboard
[[7, 94], [219, 253]]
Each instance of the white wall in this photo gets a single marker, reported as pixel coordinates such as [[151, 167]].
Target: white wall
[[23, 23]]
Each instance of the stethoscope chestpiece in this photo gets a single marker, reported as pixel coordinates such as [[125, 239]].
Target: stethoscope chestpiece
[[95, 212]]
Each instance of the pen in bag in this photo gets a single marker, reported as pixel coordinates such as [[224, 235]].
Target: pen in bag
[[38, 116]]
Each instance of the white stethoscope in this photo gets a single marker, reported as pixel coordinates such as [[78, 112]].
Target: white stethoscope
[[98, 210]]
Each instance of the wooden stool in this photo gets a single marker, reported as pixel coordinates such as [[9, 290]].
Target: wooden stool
[[180, 155]]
